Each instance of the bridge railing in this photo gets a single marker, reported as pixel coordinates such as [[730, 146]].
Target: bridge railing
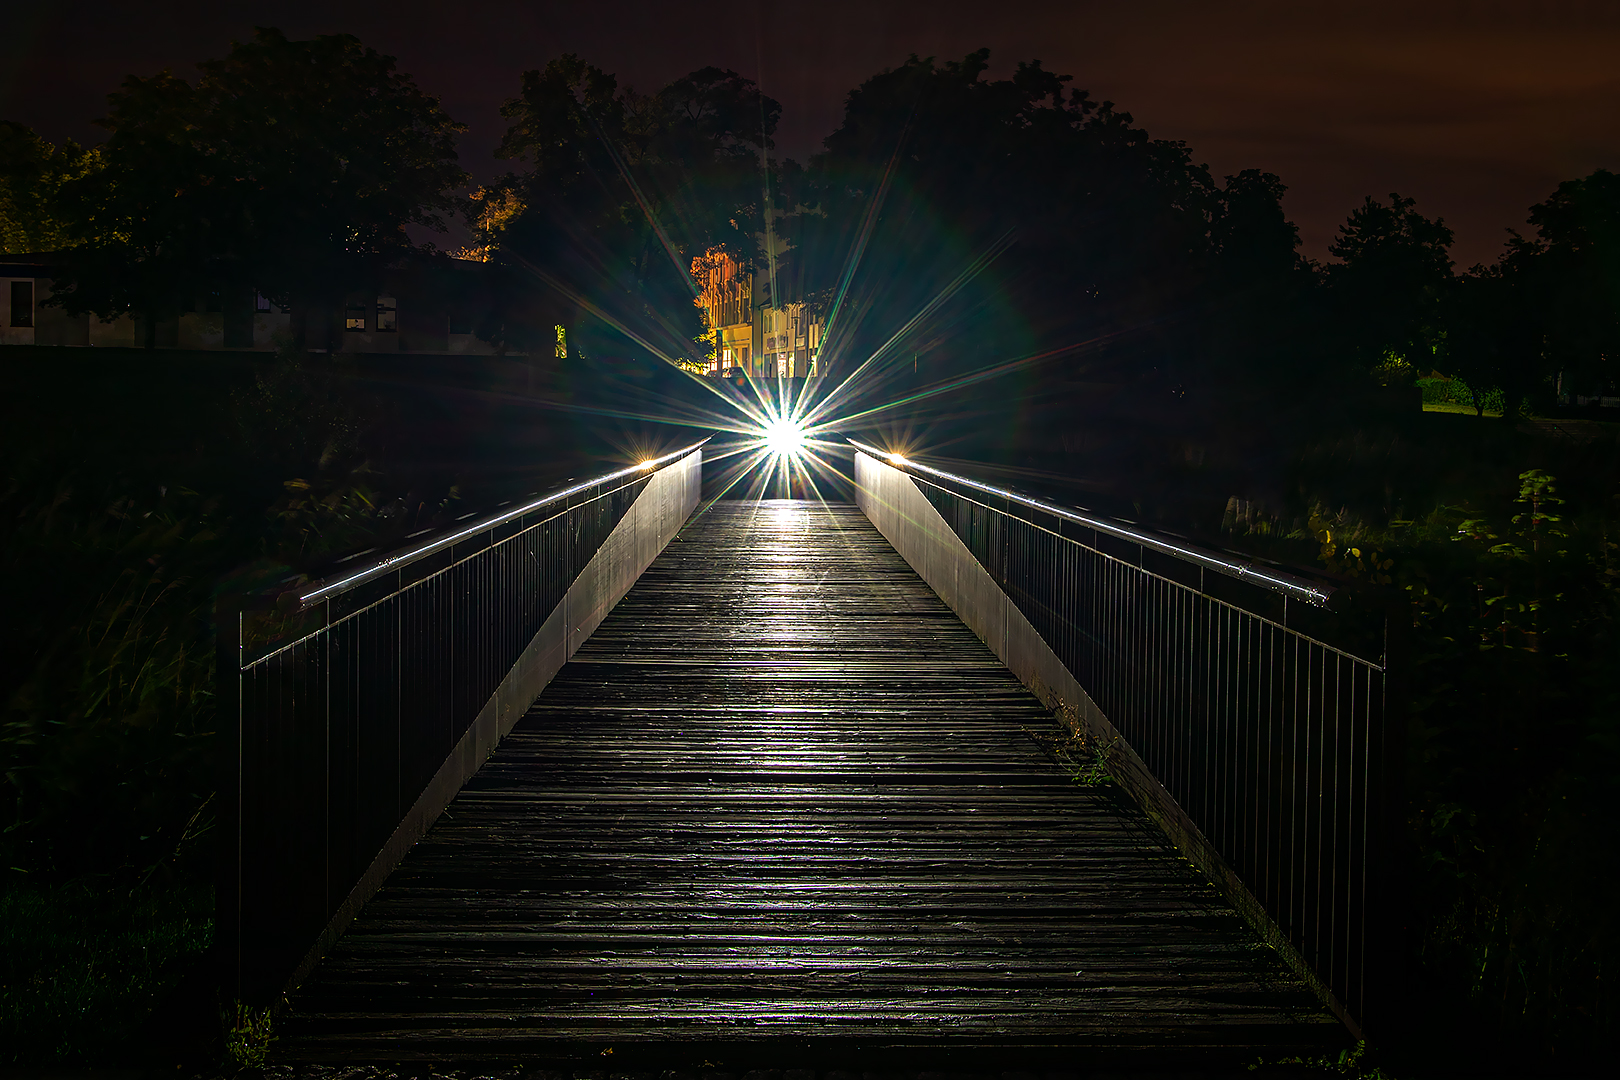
[[1247, 715], [352, 709]]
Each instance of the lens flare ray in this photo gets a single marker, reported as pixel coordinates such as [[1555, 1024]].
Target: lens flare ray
[[791, 431]]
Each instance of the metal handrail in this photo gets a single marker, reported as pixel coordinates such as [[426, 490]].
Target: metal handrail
[[325, 589], [1288, 585]]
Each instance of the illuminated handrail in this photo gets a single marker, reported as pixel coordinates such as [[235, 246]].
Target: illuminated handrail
[[325, 589], [348, 729], [1271, 757], [1288, 585]]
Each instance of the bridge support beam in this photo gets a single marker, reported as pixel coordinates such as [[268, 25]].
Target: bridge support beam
[[640, 536], [905, 517]]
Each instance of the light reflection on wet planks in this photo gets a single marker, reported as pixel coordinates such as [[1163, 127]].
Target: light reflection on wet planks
[[784, 792]]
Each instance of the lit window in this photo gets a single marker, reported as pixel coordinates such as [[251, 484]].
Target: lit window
[[22, 303], [354, 318], [387, 315]]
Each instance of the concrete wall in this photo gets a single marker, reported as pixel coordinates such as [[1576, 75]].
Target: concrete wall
[[905, 517], [201, 330], [118, 333], [267, 325], [422, 327], [925, 540], [651, 523], [51, 325]]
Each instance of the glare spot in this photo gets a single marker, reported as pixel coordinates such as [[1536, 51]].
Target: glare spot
[[784, 437]]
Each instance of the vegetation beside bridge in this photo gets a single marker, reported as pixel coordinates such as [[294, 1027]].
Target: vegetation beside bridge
[[1084, 308]]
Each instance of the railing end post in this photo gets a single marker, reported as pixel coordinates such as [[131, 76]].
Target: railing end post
[[228, 608], [1390, 929]]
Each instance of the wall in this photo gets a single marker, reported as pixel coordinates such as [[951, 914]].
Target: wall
[[52, 325], [118, 333], [201, 330], [421, 318]]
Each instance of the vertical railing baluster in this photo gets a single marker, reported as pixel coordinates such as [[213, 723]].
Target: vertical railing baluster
[[1263, 735], [333, 734]]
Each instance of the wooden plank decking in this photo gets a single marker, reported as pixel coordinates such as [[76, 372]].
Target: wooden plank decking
[[784, 793]]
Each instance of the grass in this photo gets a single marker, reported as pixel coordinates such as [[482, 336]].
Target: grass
[[1448, 407], [83, 964]]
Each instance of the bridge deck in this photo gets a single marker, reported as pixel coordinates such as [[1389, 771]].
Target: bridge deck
[[784, 792]]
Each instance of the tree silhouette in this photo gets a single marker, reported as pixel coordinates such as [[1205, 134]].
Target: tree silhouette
[[1572, 274], [291, 167], [1085, 224], [1387, 288], [621, 189], [32, 173], [1493, 338]]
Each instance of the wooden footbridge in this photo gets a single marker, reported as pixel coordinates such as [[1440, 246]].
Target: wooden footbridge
[[622, 770]]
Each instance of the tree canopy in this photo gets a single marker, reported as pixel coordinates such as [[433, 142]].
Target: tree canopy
[[1393, 272], [32, 174], [290, 167], [1052, 220], [1569, 275], [994, 218], [619, 189]]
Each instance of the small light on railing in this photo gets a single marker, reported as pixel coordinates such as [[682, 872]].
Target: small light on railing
[[649, 463], [898, 460]]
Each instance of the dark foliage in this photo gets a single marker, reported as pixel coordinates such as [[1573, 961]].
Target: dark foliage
[[130, 495], [1020, 276], [1505, 542], [621, 190], [1569, 276], [140, 484], [1393, 270], [85, 965], [32, 174], [1012, 214], [290, 167]]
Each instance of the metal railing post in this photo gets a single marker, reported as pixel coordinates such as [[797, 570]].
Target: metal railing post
[[228, 728], [352, 709], [1271, 756]]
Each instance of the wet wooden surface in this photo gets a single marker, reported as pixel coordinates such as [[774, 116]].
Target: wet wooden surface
[[784, 794]]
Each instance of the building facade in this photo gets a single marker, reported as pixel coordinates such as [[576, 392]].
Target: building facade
[[790, 340], [746, 330], [726, 298]]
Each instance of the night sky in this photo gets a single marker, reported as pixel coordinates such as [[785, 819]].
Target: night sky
[[1475, 108]]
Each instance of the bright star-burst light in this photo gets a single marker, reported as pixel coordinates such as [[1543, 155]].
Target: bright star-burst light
[[784, 436], [793, 434]]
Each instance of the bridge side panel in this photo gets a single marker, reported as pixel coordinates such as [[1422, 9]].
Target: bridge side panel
[[646, 529], [652, 521], [344, 748], [905, 517]]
